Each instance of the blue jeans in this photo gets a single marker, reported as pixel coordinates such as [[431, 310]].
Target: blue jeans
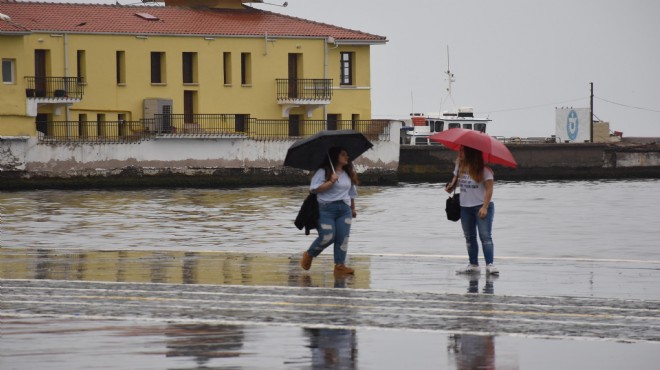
[[472, 224], [334, 226]]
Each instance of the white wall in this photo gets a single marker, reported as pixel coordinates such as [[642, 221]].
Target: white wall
[[26, 154]]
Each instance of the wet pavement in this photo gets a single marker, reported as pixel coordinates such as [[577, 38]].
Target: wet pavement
[[192, 310]]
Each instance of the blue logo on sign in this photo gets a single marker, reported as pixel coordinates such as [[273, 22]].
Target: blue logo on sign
[[572, 125]]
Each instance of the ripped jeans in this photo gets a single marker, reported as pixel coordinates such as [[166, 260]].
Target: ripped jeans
[[334, 226], [472, 225]]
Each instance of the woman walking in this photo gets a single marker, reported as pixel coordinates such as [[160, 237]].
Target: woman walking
[[335, 184], [477, 208]]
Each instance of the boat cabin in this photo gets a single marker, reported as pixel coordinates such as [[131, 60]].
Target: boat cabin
[[419, 127]]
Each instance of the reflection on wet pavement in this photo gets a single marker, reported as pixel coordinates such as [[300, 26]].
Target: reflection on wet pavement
[[65, 344], [333, 348], [176, 268], [204, 342], [472, 351], [185, 310]]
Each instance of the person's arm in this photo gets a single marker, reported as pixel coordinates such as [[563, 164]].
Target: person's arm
[[454, 180], [353, 211], [483, 211], [328, 183], [320, 184], [451, 185]]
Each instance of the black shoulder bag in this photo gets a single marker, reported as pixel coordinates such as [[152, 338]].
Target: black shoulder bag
[[453, 206]]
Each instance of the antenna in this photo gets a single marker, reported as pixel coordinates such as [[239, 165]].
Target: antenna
[[450, 79]]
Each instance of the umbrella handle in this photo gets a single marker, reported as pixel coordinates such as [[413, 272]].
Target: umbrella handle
[[331, 166]]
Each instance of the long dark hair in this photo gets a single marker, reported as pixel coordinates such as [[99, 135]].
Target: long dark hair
[[473, 163], [331, 160]]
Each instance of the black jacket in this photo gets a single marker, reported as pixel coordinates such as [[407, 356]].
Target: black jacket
[[308, 215]]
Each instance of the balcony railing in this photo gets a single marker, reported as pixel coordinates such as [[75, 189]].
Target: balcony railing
[[92, 132], [304, 89], [55, 87], [201, 125]]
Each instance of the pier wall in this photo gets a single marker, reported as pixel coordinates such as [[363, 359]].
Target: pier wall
[[174, 161], [541, 162], [225, 162]]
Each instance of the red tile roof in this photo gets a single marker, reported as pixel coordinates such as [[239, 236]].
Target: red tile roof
[[125, 19]]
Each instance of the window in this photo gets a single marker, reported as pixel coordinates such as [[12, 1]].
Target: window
[[294, 125], [226, 68], [189, 99], [436, 126], [100, 125], [189, 68], [346, 69], [246, 69], [355, 120], [81, 66], [82, 125], [121, 67], [157, 67], [240, 122], [332, 121], [9, 71]]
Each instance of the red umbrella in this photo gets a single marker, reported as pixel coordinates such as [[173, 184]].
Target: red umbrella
[[494, 151]]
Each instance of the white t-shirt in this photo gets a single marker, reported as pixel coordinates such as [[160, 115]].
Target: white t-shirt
[[472, 192], [343, 189]]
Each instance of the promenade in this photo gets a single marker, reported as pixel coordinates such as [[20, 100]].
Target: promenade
[[190, 310]]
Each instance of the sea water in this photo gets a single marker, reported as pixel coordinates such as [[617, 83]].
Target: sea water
[[545, 219]]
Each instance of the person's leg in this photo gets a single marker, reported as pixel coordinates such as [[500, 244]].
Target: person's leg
[[469, 225], [485, 226], [343, 220], [326, 230]]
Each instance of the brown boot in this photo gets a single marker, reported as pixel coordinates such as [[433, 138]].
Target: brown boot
[[306, 261], [342, 269]]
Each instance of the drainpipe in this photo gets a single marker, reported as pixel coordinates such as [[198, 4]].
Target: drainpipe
[[66, 74], [325, 76]]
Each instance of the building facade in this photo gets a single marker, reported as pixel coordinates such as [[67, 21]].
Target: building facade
[[74, 72]]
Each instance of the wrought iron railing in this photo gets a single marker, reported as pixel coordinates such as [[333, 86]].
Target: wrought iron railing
[[55, 87], [304, 89], [92, 132], [201, 125]]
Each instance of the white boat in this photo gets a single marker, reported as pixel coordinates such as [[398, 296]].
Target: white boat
[[418, 127]]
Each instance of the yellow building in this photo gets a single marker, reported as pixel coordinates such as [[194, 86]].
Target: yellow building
[[102, 71]]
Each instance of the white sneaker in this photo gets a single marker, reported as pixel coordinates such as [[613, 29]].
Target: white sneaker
[[469, 269], [492, 270]]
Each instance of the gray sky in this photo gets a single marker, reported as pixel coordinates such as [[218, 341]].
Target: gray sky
[[513, 60]]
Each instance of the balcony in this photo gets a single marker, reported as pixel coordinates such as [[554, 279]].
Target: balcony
[[58, 91], [55, 88], [309, 94]]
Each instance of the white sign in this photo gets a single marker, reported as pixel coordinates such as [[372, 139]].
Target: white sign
[[572, 125]]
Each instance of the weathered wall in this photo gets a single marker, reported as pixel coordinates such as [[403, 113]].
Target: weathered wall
[[173, 161], [541, 162]]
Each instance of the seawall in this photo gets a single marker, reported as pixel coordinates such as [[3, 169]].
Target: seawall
[[541, 162], [217, 163], [175, 161]]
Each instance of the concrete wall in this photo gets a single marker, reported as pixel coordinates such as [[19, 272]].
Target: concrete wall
[[540, 162], [25, 163]]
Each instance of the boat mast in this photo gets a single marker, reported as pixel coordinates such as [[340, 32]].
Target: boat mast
[[450, 79]]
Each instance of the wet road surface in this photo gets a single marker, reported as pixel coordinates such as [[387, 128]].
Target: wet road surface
[[561, 317], [150, 309]]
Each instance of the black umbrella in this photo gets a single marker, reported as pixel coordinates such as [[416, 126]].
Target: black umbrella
[[309, 153]]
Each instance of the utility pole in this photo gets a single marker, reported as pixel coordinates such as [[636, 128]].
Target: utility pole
[[591, 115]]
